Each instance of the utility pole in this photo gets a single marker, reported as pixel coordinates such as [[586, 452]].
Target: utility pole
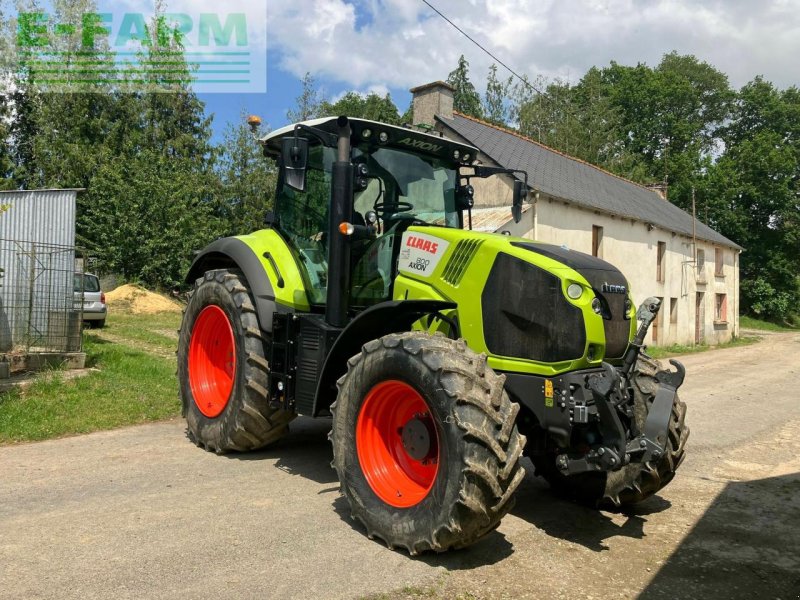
[[694, 229]]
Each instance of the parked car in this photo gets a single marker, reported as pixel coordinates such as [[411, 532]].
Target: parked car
[[94, 300]]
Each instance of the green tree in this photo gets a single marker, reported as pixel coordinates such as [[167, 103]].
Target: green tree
[[496, 98], [407, 118], [308, 103], [753, 195], [150, 215], [248, 180], [6, 157], [370, 106], [466, 99], [670, 116]]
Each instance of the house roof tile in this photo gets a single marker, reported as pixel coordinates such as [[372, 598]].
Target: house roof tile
[[562, 176]]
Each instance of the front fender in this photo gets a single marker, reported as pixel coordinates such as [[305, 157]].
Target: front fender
[[233, 253], [375, 322]]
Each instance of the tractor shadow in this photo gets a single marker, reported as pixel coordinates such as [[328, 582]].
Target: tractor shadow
[[493, 548], [572, 522], [306, 452]]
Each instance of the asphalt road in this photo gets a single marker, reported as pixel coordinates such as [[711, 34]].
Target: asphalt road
[[142, 513]]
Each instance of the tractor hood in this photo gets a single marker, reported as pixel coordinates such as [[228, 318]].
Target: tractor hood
[[526, 300]]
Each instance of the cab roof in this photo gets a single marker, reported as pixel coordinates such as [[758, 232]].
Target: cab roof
[[364, 130]]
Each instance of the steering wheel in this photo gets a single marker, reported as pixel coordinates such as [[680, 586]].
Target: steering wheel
[[400, 206]]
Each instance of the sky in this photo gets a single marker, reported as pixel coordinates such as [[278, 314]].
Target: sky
[[392, 45]]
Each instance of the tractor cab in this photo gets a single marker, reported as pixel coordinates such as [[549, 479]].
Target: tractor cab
[[401, 177]]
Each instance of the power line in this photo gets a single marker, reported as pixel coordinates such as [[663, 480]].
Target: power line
[[566, 107], [471, 39]]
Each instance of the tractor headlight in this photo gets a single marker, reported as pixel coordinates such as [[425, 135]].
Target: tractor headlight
[[628, 308], [575, 291], [597, 306]]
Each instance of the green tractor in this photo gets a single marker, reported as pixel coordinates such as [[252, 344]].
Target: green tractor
[[442, 355]]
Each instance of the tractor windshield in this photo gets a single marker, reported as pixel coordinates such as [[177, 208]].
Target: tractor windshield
[[407, 185]]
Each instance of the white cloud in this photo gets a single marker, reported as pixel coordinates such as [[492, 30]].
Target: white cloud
[[401, 43]]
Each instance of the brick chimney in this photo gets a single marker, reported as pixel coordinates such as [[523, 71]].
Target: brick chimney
[[659, 188], [430, 100]]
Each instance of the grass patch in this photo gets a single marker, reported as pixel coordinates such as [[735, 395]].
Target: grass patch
[[131, 387], [158, 329], [679, 349], [752, 323]]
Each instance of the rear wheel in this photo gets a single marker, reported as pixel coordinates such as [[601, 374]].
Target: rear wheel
[[223, 370], [425, 443], [634, 482]]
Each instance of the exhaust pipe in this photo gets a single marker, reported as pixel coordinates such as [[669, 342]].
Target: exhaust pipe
[[338, 294]]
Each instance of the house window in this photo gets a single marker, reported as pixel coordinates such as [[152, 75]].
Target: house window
[[701, 264], [673, 310], [660, 271], [718, 262], [721, 309], [597, 241]]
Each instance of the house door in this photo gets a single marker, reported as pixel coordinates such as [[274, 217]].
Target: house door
[[656, 327], [699, 318]]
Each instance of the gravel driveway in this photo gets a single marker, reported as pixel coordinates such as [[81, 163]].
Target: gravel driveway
[[142, 513]]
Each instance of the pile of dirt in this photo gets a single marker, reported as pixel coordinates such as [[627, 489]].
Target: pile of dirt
[[139, 301]]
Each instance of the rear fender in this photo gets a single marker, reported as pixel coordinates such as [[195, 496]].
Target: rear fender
[[375, 322], [232, 253]]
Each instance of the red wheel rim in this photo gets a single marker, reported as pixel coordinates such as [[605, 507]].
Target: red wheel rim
[[396, 477], [212, 361]]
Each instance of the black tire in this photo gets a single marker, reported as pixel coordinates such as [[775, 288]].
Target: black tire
[[635, 482], [247, 421], [479, 444], [96, 324]]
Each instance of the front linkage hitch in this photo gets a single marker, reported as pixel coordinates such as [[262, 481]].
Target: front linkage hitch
[[611, 397]]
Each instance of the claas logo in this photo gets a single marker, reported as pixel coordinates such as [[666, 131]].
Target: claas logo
[[421, 244]]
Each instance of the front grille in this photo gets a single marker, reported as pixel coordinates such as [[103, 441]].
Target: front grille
[[597, 272], [525, 314], [462, 256]]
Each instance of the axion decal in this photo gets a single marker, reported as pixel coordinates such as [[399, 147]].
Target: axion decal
[[420, 253], [420, 144]]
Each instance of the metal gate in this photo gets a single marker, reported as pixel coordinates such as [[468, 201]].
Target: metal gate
[[40, 307]]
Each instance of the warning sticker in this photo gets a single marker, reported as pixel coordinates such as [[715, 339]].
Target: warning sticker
[[421, 253], [548, 393]]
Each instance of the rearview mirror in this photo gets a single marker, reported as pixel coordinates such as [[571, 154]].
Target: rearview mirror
[[520, 193], [294, 162]]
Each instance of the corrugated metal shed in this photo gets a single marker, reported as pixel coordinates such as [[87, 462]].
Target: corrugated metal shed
[[37, 265], [41, 216]]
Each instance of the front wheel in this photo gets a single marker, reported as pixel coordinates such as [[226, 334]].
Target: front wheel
[[425, 443], [222, 368]]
